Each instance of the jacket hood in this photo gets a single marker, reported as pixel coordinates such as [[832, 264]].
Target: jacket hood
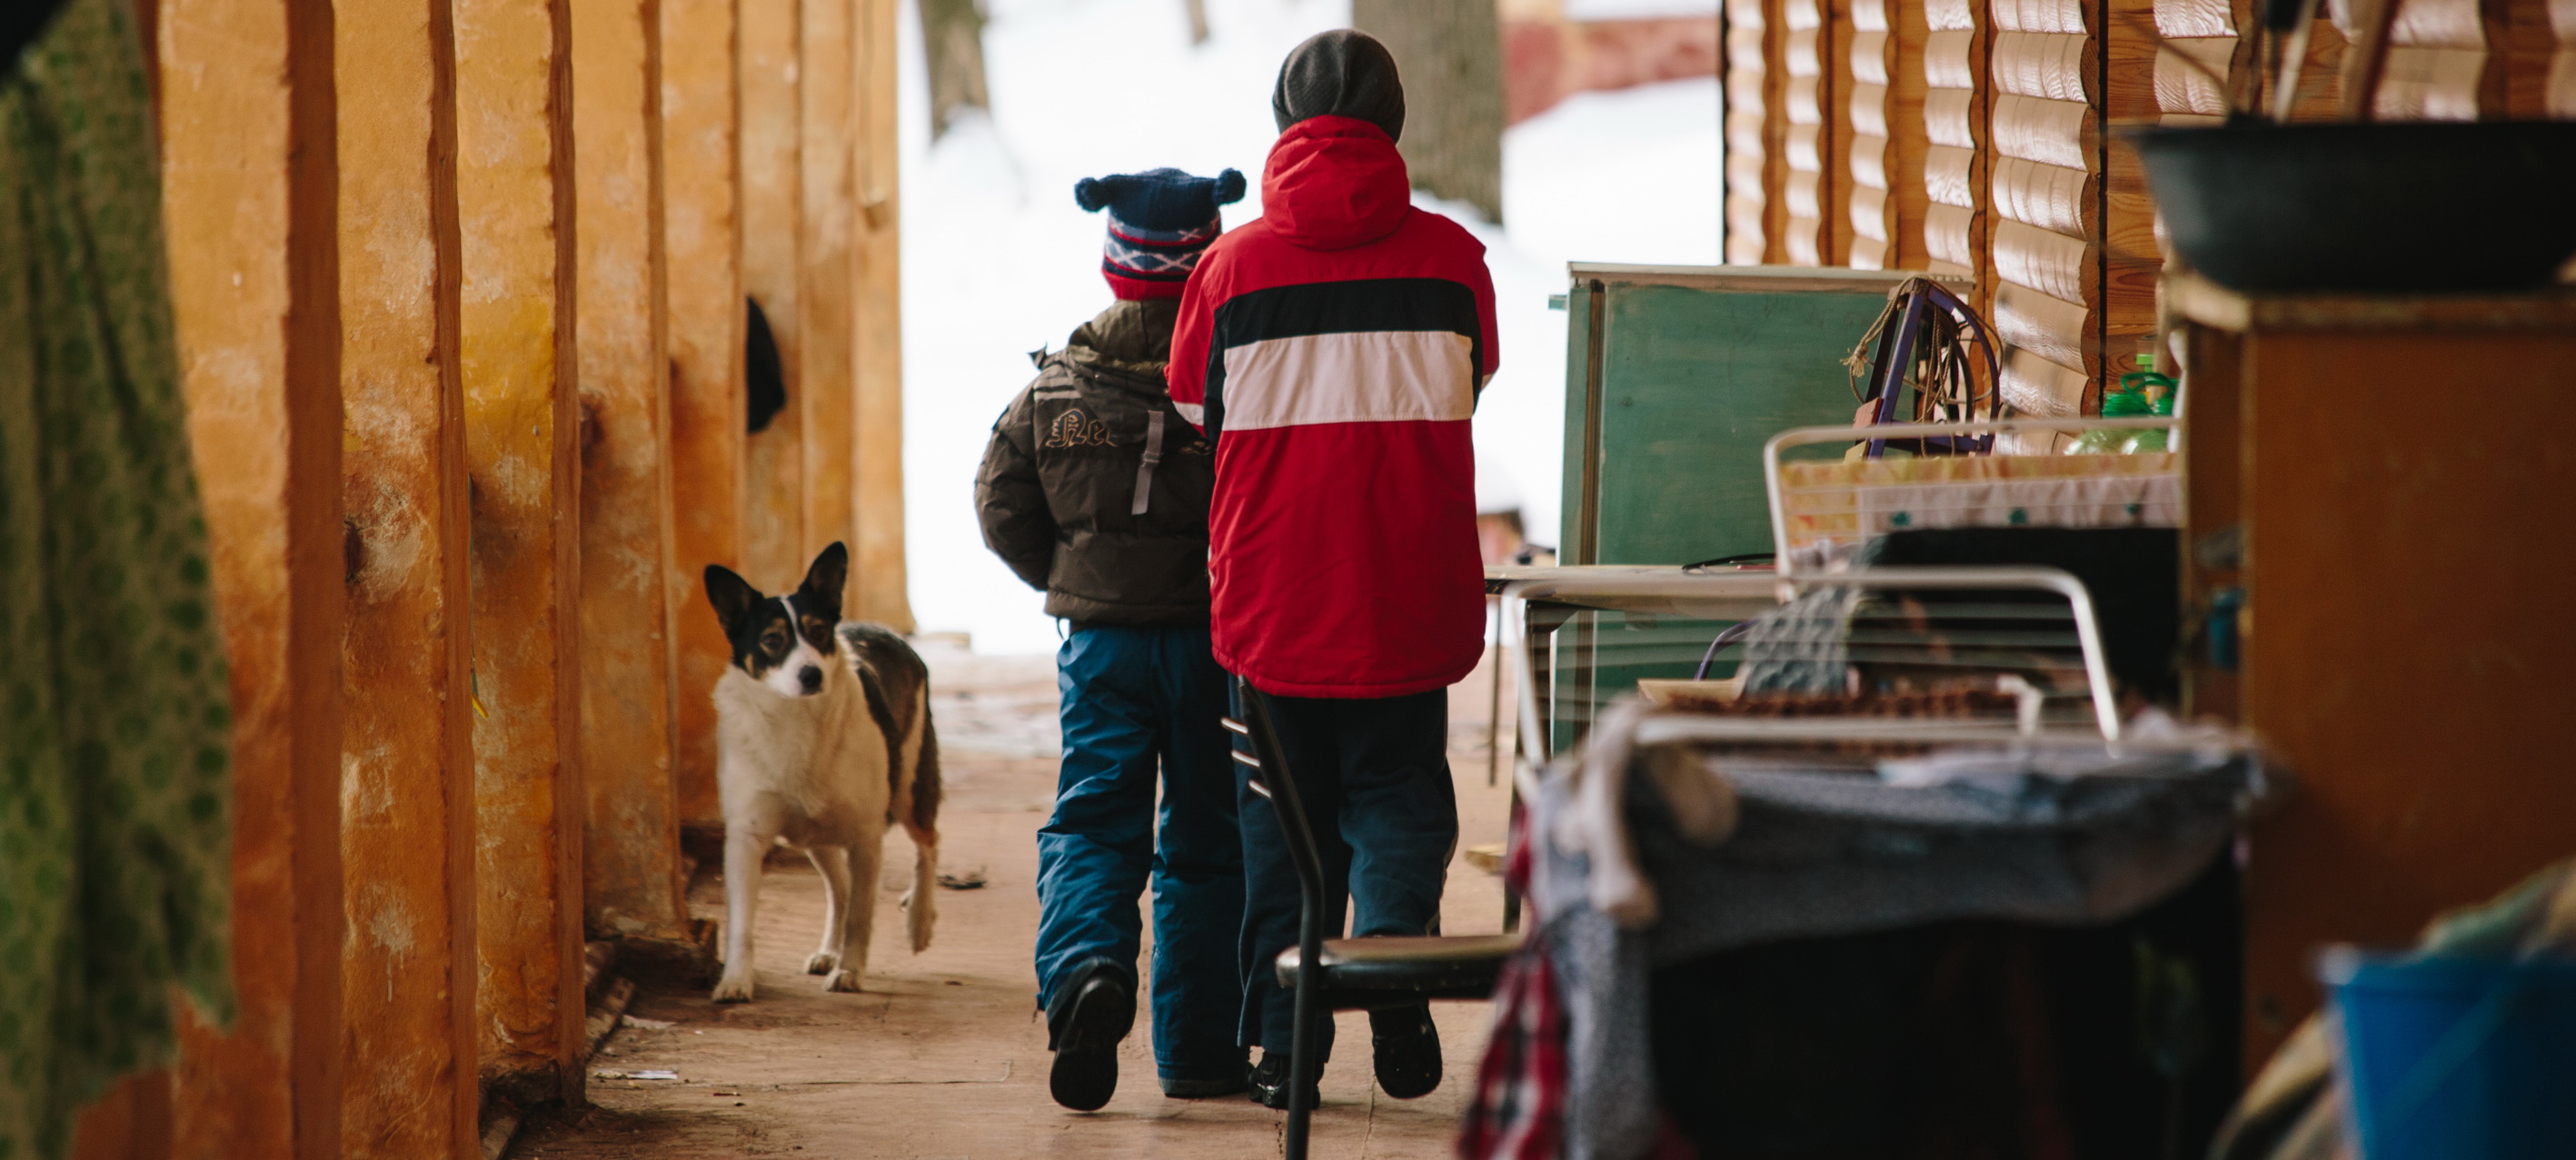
[[1123, 346], [1333, 183]]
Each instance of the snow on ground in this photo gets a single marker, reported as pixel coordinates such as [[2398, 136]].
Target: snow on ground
[[998, 261]]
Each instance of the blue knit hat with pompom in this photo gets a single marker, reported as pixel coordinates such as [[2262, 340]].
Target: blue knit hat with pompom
[[1160, 221]]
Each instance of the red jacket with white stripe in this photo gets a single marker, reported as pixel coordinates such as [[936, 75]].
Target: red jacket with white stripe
[[1333, 350]]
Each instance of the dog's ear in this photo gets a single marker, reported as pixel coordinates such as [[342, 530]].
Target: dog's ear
[[821, 590], [732, 596]]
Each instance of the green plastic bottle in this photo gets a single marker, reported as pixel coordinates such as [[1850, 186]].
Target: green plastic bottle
[[2136, 383], [2121, 404]]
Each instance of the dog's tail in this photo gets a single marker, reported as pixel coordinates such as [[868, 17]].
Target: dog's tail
[[921, 905]]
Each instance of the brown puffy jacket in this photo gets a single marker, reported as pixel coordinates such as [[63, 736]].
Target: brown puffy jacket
[[1066, 496]]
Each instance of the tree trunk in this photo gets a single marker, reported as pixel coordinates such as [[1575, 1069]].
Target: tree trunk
[[1450, 54], [952, 44], [1198, 20]]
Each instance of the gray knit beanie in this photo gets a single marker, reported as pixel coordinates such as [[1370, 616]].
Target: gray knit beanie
[[1342, 73]]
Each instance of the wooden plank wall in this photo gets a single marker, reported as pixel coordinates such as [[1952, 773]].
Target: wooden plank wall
[[515, 205], [407, 789], [772, 207], [1887, 191], [250, 175], [631, 859], [431, 400], [827, 276], [878, 567], [701, 227]]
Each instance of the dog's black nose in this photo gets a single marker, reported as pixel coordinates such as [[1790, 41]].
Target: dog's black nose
[[811, 678]]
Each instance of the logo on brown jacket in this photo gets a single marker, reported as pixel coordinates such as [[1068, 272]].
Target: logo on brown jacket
[[1075, 429]]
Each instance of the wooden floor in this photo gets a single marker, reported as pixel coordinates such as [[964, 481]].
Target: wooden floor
[[943, 1056]]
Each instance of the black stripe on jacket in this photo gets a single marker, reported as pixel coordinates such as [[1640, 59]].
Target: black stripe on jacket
[[1347, 307]]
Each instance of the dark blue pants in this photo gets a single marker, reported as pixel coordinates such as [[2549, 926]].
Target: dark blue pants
[[1374, 775], [1135, 699]]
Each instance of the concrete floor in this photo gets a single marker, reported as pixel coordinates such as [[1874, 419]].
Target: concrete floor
[[943, 1055]]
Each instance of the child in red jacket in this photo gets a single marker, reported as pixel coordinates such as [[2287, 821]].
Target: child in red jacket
[[1334, 351]]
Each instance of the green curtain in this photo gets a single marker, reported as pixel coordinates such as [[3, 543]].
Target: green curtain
[[115, 751]]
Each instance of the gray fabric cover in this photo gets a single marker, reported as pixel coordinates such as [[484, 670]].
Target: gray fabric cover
[[1819, 853]]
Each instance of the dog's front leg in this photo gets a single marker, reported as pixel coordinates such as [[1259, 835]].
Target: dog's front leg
[[833, 863], [744, 849]]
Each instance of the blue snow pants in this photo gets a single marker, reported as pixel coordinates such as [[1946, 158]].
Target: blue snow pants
[[1136, 700], [1374, 777]]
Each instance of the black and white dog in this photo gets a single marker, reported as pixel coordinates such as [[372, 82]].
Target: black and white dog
[[824, 739]]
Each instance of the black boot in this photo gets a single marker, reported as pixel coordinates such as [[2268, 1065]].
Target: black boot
[[1270, 1083], [1407, 1051], [1091, 1010]]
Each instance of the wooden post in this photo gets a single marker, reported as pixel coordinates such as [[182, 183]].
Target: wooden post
[[407, 791], [1450, 56], [702, 233], [514, 201], [772, 200], [827, 275], [878, 570], [630, 862], [250, 176]]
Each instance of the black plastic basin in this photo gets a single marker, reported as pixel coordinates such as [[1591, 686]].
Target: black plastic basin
[[2390, 207]]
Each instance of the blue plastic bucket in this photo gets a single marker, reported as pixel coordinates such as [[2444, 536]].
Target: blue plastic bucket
[[2457, 1058]]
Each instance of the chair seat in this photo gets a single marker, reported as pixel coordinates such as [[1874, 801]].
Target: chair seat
[[1360, 972]]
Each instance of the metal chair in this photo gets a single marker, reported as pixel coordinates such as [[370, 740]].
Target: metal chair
[[1350, 973]]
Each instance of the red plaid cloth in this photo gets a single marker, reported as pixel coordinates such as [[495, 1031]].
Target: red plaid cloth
[[1518, 1112]]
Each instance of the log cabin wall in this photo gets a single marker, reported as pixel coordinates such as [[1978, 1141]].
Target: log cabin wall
[[1888, 193], [2558, 90], [1749, 87], [2201, 39], [2437, 61], [2020, 183], [2132, 258], [1809, 138], [2047, 121], [1955, 157]]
